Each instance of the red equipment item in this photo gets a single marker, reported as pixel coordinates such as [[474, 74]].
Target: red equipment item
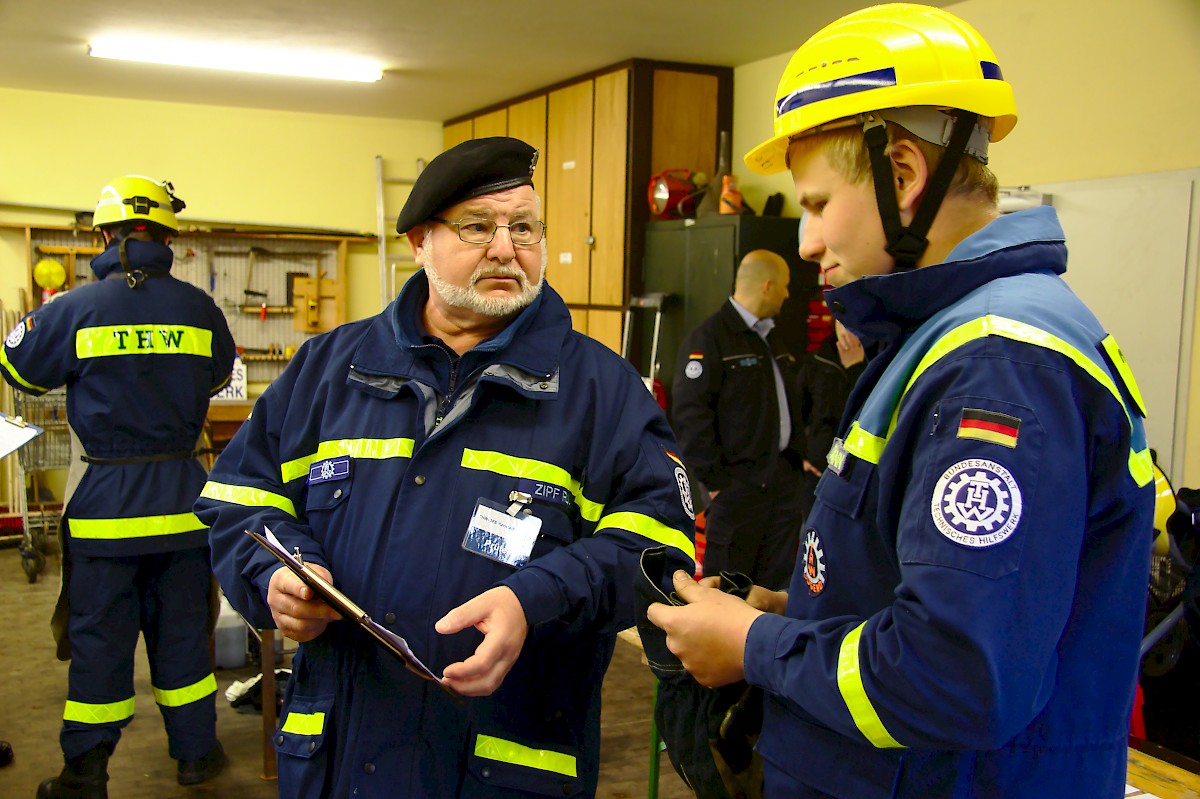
[[672, 194]]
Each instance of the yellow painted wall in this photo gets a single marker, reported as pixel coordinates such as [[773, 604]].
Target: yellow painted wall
[[231, 165], [1100, 93]]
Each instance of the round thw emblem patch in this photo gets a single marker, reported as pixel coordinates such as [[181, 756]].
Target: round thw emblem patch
[[976, 503], [685, 492], [812, 563], [16, 335]]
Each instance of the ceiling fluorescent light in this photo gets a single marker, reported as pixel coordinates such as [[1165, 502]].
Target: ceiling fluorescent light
[[236, 59]]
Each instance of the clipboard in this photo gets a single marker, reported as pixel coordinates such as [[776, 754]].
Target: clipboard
[[345, 606], [15, 433]]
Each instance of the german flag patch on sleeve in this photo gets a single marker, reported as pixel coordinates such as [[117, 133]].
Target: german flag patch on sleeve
[[999, 428]]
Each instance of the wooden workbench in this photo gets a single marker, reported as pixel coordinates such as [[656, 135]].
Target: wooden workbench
[[1151, 777]]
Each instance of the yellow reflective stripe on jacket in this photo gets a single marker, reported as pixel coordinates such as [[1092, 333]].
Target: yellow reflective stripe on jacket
[[135, 526], [178, 697], [649, 528], [854, 694], [12, 370], [864, 445], [85, 713], [370, 448], [250, 497], [106, 340], [869, 447], [304, 723], [512, 466], [504, 751], [1122, 366]]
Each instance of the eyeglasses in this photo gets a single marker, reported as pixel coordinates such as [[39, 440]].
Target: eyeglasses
[[482, 231]]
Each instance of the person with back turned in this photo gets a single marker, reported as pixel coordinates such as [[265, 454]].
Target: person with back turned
[[140, 353]]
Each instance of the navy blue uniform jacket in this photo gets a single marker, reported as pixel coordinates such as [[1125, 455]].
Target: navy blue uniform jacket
[[966, 614], [370, 453]]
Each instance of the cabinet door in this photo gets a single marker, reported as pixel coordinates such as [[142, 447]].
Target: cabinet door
[[605, 327], [493, 124], [569, 183], [527, 122], [456, 133], [711, 264], [610, 153], [685, 121]]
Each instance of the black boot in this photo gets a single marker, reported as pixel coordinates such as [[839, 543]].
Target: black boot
[[83, 777], [194, 772]]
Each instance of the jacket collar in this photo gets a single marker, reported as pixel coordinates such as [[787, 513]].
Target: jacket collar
[[880, 308], [533, 342], [149, 256]]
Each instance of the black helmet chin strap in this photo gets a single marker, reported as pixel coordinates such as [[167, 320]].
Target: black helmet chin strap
[[133, 277], [908, 244]]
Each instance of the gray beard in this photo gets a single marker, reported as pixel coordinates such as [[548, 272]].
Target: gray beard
[[469, 297]]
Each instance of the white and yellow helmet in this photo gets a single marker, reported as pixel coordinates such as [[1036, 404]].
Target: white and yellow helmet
[[135, 197], [899, 55]]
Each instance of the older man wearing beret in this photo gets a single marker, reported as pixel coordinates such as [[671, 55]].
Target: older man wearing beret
[[481, 480]]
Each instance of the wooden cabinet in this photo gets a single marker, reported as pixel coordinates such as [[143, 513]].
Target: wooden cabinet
[[601, 137]]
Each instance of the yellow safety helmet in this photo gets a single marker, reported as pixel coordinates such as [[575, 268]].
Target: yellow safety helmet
[[136, 197], [1165, 506], [898, 55]]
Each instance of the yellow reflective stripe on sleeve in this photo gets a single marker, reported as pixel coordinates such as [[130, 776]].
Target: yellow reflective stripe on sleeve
[[107, 340], [250, 497], [12, 370], [1118, 360], [493, 748], [304, 723], [649, 528], [136, 526], [864, 445], [85, 713], [512, 466], [178, 697], [368, 448], [1141, 467], [850, 684]]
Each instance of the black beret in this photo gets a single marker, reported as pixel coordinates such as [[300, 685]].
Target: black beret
[[470, 169]]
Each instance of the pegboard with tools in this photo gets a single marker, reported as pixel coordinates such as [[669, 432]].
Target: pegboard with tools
[[275, 290]]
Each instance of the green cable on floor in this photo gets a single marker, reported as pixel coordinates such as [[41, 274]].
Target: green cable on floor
[[656, 745]]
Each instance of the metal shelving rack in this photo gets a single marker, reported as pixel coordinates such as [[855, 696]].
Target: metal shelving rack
[[50, 450]]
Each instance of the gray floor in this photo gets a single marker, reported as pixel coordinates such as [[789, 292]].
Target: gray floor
[[33, 688]]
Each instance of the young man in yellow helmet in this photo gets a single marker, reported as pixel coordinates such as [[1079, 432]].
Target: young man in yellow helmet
[[965, 615]]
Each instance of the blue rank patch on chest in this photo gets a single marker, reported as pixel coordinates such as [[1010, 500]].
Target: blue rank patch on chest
[[329, 469]]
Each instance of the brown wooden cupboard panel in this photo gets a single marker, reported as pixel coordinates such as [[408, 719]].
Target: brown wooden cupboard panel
[[527, 122], [605, 327], [685, 119], [568, 172], [579, 319], [610, 153], [456, 133], [493, 124]]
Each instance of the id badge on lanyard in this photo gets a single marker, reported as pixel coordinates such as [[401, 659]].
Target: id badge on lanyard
[[503, 533]]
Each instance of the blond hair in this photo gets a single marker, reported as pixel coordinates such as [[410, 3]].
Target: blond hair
[[846, 150]]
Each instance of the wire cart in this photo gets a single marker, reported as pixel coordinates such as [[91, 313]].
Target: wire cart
[[40, 513]]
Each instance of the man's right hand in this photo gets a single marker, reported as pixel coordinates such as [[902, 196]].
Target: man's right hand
[[298, 614]]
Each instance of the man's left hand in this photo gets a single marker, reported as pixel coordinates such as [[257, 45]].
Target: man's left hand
[[497, 614], [708, 634]]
